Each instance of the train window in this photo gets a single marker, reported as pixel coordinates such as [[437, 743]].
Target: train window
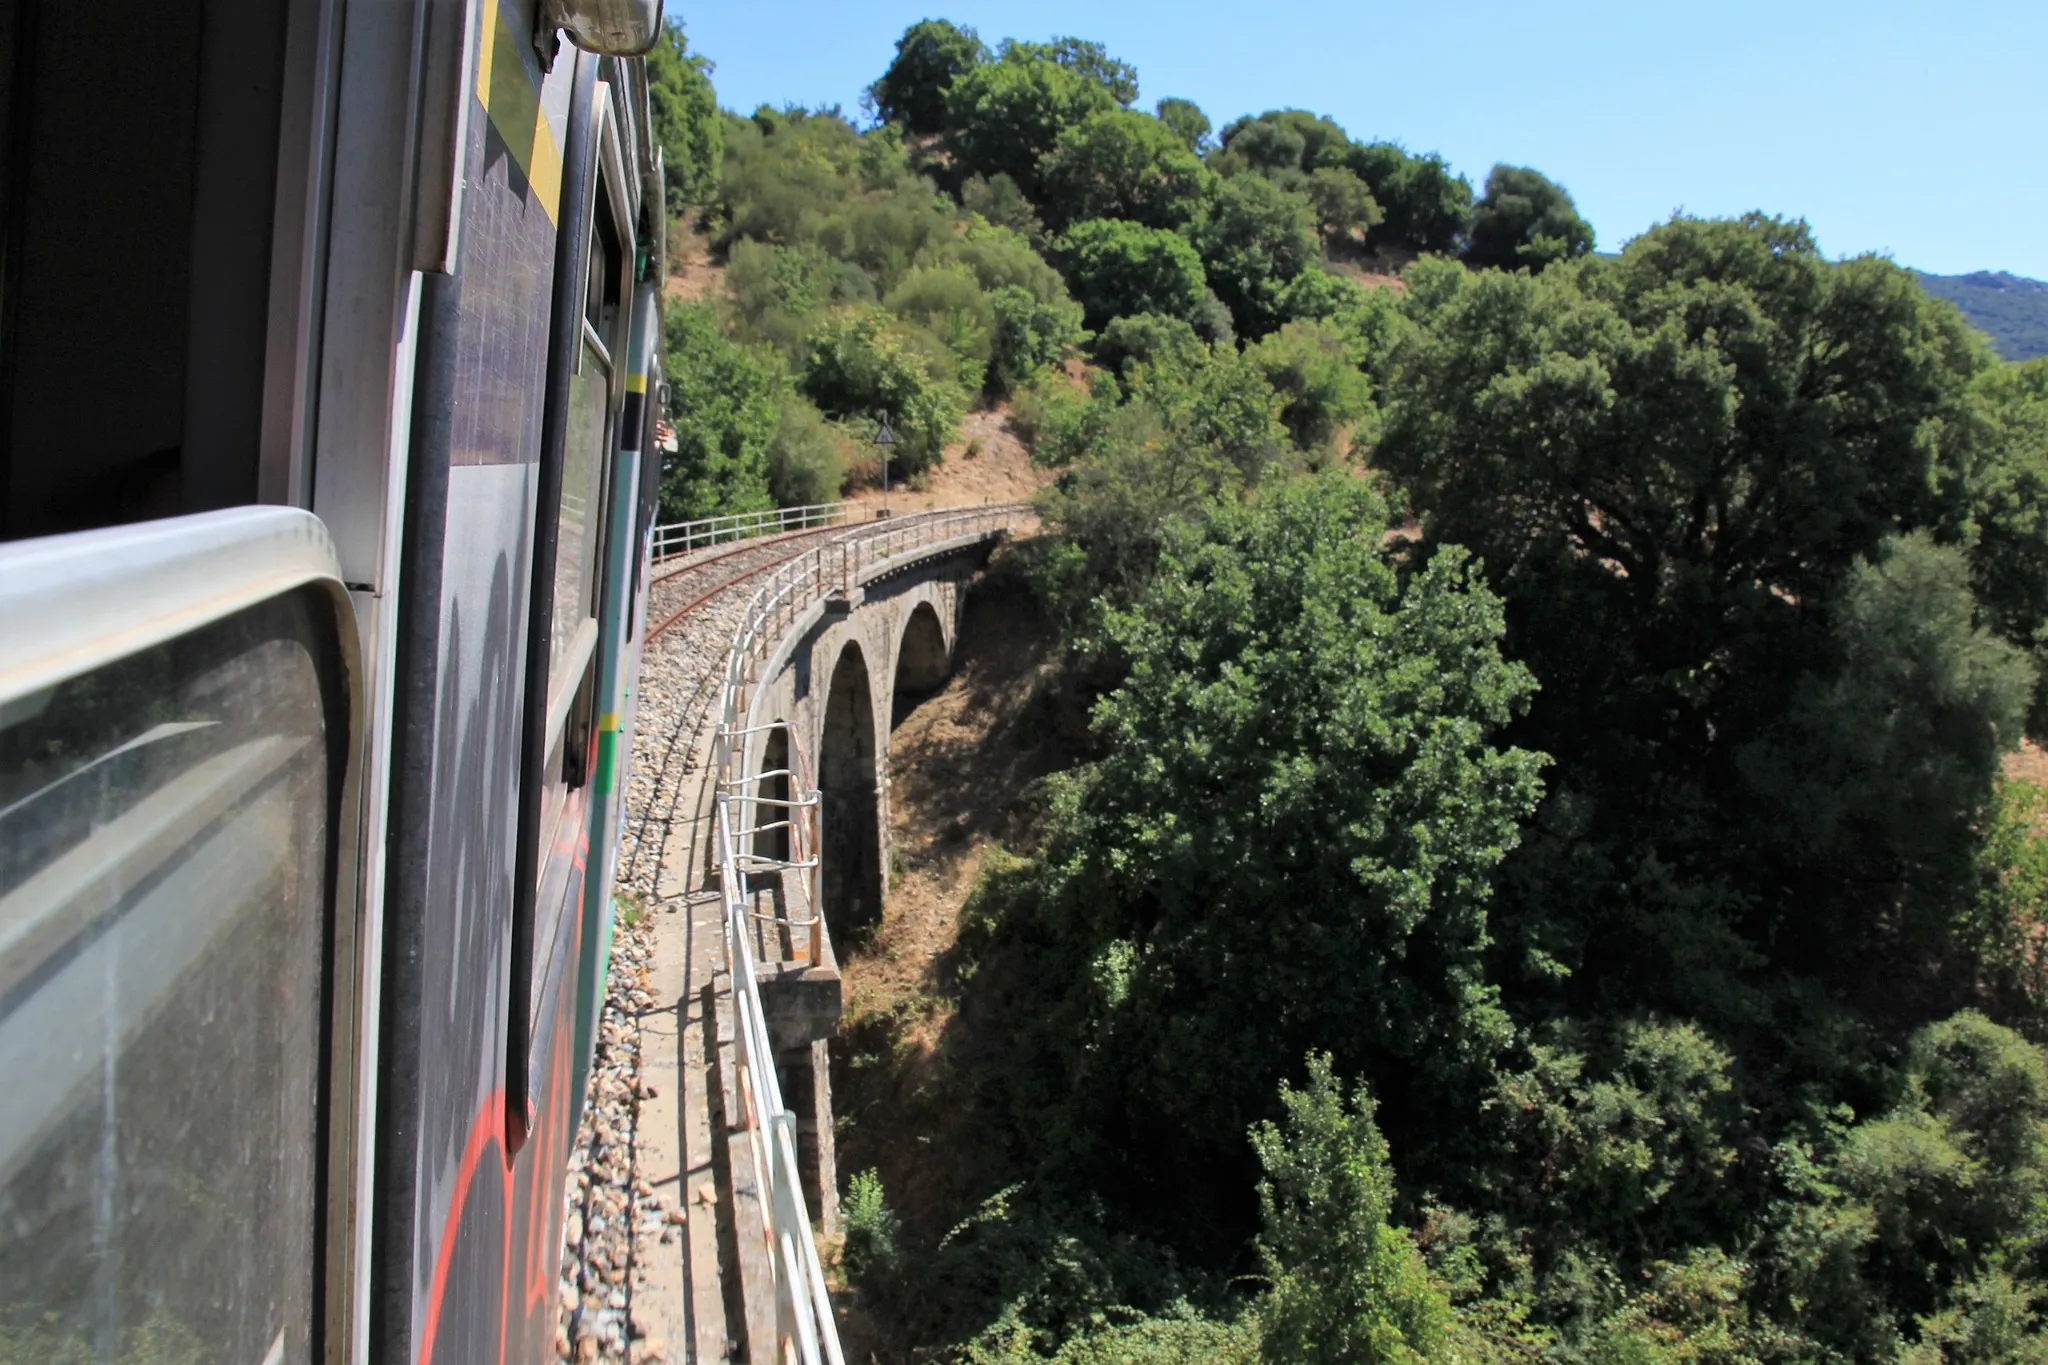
[[136, 223], [164, 872], [579, 524]]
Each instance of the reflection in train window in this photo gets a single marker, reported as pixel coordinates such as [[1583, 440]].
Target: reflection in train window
[[164, 829]]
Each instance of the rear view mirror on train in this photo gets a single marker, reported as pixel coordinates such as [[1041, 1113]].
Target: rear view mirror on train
[[615, 28]]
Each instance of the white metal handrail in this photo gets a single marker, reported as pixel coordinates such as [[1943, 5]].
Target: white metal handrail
[[803, 1304], [680, 537]]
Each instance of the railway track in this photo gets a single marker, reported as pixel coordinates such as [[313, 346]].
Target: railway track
[[693, 609]]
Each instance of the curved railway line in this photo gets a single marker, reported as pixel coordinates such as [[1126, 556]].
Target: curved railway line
[[681, 671]]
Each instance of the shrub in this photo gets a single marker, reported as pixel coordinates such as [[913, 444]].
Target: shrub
[[1309, 366], [1001, 256], [863, 364], [806, 456], [946, 301], [885, 234], [776, 291], [872, 1227], [1368, 319], [997, 198], [1060, 423], [1030, 335], [1146, 338], [1348, 1288]]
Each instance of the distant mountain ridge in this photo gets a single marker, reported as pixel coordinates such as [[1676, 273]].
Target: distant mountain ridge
[[2012, 309]]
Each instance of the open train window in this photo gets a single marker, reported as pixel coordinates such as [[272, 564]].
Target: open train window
[[170, 820], [586, 388], [138, 194]]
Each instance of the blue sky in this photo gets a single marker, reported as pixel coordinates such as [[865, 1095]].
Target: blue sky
[[1917, 130]]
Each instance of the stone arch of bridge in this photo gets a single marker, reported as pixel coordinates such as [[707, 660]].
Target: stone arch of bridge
[[849, 780], [923, 660]]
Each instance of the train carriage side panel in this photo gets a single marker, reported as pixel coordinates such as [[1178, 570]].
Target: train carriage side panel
[[447, 1205]]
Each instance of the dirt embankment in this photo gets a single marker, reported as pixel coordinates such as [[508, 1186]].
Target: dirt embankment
[[988, 463]]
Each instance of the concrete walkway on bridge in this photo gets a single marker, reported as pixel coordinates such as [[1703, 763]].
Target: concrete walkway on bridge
[[818, 700]]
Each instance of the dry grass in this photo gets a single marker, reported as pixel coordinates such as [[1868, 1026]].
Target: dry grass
[[693, 276], [1001, 471], [2028, 763]]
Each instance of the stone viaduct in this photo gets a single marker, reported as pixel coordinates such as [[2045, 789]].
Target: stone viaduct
[[827, 678]]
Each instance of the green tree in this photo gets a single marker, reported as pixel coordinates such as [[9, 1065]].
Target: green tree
[[1299, 757], [1221, 406], [1090, 59], [1672, 465], [1342, 203], [1187, 121], [2009, 511], [1525, 220], [685, 119], [1003, 116], [1284, 144], [722, 400], [930, 56], [1120, 268], [1347, 1286], [1123, 164], [1321, 390], [1253, 238], [1427, 208]]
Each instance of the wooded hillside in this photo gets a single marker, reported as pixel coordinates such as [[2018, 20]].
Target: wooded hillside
[[1542, 881]]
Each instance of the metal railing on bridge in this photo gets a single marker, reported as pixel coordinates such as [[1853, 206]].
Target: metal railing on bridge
[[681, 537], [803, 1305]]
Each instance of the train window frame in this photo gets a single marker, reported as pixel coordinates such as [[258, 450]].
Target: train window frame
[[75, 606], [559, 727]]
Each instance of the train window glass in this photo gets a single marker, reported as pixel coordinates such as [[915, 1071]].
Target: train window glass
[[578, 524], [164, 830], [580, 518]]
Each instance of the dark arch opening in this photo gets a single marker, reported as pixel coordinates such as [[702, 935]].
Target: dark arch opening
[[850, 845], [921, 662], [771, 815]]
